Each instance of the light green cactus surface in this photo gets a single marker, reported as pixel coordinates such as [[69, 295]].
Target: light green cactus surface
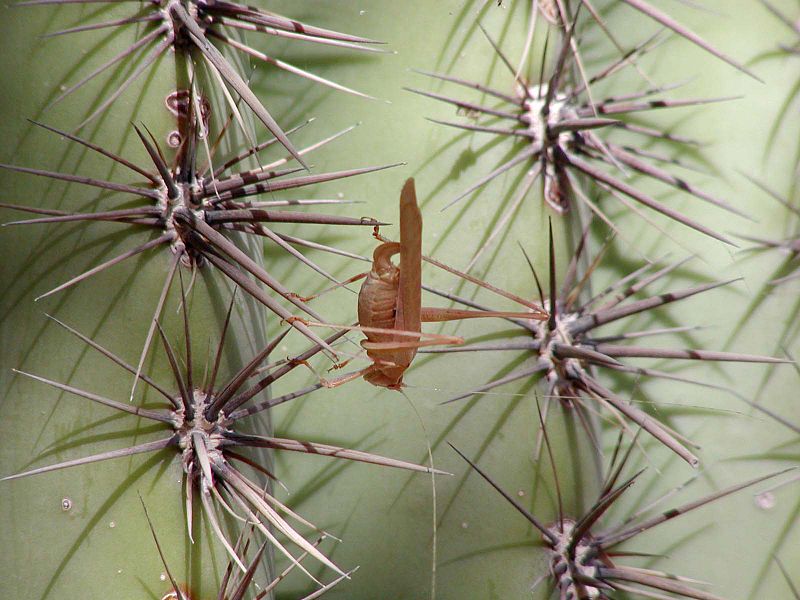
[[81, 532]]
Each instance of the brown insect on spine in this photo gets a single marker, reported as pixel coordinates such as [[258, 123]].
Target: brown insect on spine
[[390, 311], [390, 298]]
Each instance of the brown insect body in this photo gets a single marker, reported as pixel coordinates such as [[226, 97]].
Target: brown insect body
[[377, 308], [390, 298], [378, 297], [390, 311]]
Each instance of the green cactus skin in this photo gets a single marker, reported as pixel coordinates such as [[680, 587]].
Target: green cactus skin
[[386, 526], [736, 133], [101, 545]]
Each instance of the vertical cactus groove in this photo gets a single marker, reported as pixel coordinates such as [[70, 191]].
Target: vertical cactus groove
[[160, 419]]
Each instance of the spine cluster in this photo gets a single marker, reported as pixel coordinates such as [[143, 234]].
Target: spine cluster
[[221, 207]]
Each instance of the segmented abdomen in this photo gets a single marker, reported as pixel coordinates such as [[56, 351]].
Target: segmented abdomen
[[377, 304]]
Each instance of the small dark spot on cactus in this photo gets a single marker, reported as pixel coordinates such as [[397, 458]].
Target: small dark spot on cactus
[[179, 103], [174, 139], [471, 114]]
